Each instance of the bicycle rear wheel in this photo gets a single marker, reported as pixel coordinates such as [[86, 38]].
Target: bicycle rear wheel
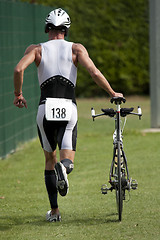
[[119, 194]]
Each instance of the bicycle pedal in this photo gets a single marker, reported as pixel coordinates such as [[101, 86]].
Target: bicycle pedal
[[134, 184], [104, 189]]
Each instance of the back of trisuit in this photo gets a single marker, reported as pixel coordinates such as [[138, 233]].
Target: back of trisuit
[[57, 77]]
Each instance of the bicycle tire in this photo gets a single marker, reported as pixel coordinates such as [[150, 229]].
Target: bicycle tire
[[119, 194]]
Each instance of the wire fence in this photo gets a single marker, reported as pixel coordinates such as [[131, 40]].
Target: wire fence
[[21, 24]]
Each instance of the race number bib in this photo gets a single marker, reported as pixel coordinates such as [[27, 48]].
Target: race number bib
[[58, 109]]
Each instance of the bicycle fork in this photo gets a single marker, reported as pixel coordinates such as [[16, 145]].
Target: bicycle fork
[[126, 182]]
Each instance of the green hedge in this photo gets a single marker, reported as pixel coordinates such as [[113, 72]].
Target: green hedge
[[115, 32]]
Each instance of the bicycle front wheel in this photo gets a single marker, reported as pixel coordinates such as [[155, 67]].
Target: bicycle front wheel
[[119, 194]]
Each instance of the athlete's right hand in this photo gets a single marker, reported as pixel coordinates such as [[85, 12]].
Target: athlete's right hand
[[20, 101], [117, 94]]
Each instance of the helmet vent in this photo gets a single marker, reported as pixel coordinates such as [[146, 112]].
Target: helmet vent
[[58, 18]]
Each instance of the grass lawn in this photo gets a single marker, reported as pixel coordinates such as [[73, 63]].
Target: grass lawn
[[86, 213]]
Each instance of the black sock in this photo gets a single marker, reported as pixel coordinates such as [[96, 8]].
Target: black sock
[[50, 181]]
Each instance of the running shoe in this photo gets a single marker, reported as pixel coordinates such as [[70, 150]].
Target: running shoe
[[62, 181], [53, 218]]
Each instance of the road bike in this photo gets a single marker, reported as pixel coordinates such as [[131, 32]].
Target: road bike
[[119, 177]]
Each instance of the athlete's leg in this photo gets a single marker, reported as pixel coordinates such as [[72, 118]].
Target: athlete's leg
[[66, 153], [45, 131], [50, 160], [67, 159], [50, 180], [68, 143]]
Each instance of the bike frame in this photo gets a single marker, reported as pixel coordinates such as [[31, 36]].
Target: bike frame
[[118, 138]]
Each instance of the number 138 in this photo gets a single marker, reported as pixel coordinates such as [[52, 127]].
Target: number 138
[[59, 112]]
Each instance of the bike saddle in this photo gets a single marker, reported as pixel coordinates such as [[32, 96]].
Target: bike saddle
[[118, 100]]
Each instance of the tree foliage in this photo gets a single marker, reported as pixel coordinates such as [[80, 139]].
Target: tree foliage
[[115, 33]]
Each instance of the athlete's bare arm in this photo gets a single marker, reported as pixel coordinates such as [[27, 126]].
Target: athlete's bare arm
[[32, 54], [80, 55]]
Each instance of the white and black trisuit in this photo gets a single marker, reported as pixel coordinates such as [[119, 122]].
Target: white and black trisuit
[[57, 77]]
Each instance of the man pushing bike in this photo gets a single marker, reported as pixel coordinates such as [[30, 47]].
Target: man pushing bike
[[57, 62]]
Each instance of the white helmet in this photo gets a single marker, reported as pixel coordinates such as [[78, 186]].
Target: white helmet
[[57, 19]]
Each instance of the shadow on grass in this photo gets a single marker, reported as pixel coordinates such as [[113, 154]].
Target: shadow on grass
[[104, 219], [8, 222]]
